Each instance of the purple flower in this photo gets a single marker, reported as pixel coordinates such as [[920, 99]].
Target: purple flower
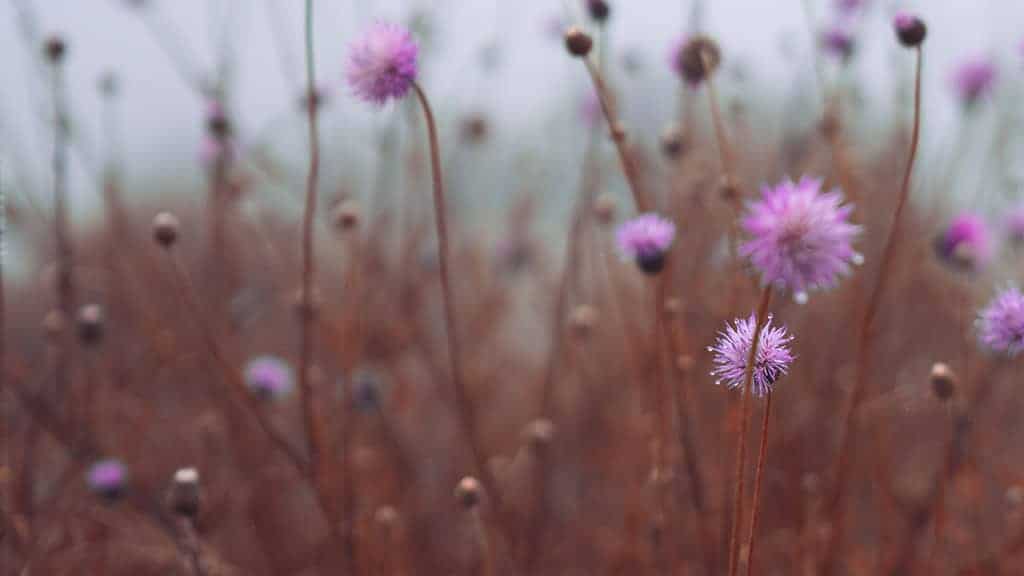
[[645, 240], [1015, 225], [974, 79], [800, 238], [838, 41], [382, 64], [966, 243], [107, 478], [847, 7], [269, 377], [732, 349], [1001, 323]]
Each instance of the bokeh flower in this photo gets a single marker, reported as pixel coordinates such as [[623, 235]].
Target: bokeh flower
[[107, 478], [800, 238], [645, 240], [966, 243], [382, 64], [910, 30], [1001, 323], [1015, 225], [269, 377], [974, 79], [837, 41], [732, 349]]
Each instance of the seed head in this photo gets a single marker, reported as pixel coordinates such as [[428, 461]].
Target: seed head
[[800, 239], [347, 215], [732, 349], [943, 381], [604, 209], [269, 377], [539, 433], [578, 42], [910, 29], [672, 142], [53, 324], [696, 58], [217, 120], [90, 324], [165, 229], [468, 493], [1001, 323], [55, 49], [382, 65], [646, 240], [599, 10], [386, 517], [582, 320], [184, 496]]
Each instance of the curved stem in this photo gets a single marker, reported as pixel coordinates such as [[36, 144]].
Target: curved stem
[[762, 457], [741, 453], [863, 341]]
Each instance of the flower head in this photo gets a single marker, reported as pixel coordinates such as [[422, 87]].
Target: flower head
[[732, 349], [1001, 323], [107, 478], [847, 7], [966, 243], [382, 64], [695, 58], [838, 42], [800, 238], [269, 377], [974, 79], [910, 30], [1015, 225], [645, 239]]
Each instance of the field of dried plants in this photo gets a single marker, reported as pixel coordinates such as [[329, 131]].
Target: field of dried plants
[[705, 368]]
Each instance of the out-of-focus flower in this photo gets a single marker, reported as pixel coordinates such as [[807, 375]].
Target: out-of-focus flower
[[732, 349], [848, 7], [695, 58], [837, 41], [382, 64], [107, 478], [645, 240], [966, 243], [800, 238], [1015, 225], [269, 377], [974, 79], [1001, 323], [910, 30]]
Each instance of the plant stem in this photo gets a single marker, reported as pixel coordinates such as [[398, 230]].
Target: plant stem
[[741, 452], [61, 234], [762, 456], [863, 341], [463, 405]]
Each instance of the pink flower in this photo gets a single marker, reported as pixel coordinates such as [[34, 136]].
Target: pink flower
[[1015, 224], [382, 64], [966, 243], [645, 240], [1001, 323], [974, 79], [800, 239], [732, 349]]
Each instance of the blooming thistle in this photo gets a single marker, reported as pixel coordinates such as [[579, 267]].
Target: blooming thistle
[[974, 79], [269, 377], [732, 349], [107, 478], [800, 239], [966, 243], [645, 240], [1001, 323], [382, 64], [838, 42]]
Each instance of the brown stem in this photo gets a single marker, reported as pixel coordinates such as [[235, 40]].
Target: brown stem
[[619, 137], [741, 452], [61, 234], [863, 342], [463, 404], [762, 457]]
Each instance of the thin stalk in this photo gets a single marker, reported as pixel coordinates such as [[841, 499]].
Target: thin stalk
[[190, 545], [463, 405], [762, 457], [864, 339], [61, 233], [741, 452], [619, 137], [662, 401]]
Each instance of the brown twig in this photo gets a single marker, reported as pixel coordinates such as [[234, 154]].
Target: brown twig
[[762, 457]]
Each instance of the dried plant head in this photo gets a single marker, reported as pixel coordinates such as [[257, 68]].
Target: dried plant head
[[578, 42], [943, 381], [469, 493], [698, 58]]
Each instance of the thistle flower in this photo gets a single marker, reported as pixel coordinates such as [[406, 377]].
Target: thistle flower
[[1015, 225], [1001, 323], [800, 238], [382, 64], [107, 478], [269, 377], [973, 79], [838, 42], [645, 240], [732, 349], [910, 30], [966, 243]]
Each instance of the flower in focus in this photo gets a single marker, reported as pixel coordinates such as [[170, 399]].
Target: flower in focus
[[269, 377], [966, 243], [107, 478], [645, 240], [800, 239], [382, 64], [732, 349], [1001, 323], [974, 79]]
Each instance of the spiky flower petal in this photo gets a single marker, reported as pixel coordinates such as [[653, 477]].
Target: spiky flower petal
[[732, 349], [382, 64]]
